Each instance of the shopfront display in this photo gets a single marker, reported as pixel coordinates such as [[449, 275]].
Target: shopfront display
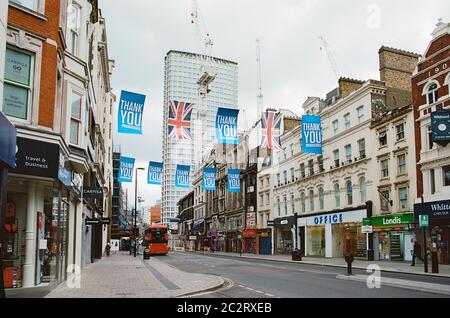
[[283, 234], [316, 240]]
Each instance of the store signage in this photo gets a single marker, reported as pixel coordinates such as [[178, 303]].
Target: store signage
[[37, 158], [77, 182], [284, 222], [440, 127], [234, 180], [331, 218], [209, 179], [226, 126], [131, 109], [106, 220], [264, 234], [192, 238], [249, 233], [393, 220], [311, 134], [64, 172], [270, 223], [126, 169], [423, 220], [182, 176], [367, 229], [154, 174], [92, 221], [93, 192], [250, 220], [434, 209], [7, 142]]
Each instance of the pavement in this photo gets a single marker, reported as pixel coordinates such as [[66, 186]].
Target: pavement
[[385, 266], [123, 276]]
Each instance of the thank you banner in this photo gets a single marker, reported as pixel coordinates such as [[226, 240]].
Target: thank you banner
[[131, 109], [154, 173], [234, 180], [311, 134], [209, 179], [126, 169], [226, 125], [182, 176]]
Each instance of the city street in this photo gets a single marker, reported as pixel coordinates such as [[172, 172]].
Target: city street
[[268, 279]]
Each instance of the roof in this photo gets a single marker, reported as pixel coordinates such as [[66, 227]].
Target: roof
[[288, 114], [216, 59]]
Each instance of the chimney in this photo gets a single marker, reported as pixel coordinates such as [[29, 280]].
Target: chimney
[[348, 85], [396, 67]]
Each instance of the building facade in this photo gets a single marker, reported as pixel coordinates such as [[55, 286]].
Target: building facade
[[182, 71]]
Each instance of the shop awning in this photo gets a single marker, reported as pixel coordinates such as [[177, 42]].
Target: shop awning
[[198, 224]]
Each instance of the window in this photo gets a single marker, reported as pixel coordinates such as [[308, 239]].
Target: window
[[403, 196], [360, 114], [430, 138], [284, 153], [267, 199], [279, 206], [261, 200], [400, 130], [382, 137], [348, 153], [384, 168], [362, 148], [347, 120], [335, 127], [311, 200], [302, 170], [362, 190], [446, 175], [285, 176], [349, 193], [432, 181], [292, 174], [311, 167], [285, 205], [75, 118], [337, 195], [303, 201], [30, 4], [74, 24], [336, 157], [432, 93], [278, 179], [18, 84], [320, 162], [321, 199], [292, 203], [401, 163], [292, 149]]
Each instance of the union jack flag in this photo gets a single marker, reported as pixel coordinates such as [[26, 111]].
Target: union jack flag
[[179, 122], [271, 130]]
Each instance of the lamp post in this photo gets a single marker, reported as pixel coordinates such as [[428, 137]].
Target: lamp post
[[135, 210]]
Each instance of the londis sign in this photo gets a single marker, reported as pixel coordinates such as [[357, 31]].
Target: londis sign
[[393, 220]]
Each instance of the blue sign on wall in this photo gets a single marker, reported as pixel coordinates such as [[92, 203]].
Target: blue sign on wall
[[311, 134], [131, 109], [209, 179], [440, 127], [226, 125], [182, 176], [154, 173], [234, 180], [126, 169]]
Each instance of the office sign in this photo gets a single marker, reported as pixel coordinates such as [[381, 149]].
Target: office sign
[[37, 158], [131, 109], [440, 127], [311, 134], [93, 192], [7, 142], [126, 169], [209, 179], [226, 125], [154, 174], [182, 176], [234, 180]]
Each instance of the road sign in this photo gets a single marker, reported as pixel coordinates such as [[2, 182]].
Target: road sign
[[367, 229], [423, 220]]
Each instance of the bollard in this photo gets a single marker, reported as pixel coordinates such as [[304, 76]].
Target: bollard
[[434, 262], [349, 260]]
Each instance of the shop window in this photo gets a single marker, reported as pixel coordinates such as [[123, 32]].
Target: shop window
[[316, 240], [446, 175]]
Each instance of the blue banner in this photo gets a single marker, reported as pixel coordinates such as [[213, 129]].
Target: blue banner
[[154, 173], [209, 179], [126, 169], [131, 109], [226, 125], [311, 134], [234, 180], [182, 176]]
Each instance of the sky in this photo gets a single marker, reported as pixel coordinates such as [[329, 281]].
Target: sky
[[294, 63]]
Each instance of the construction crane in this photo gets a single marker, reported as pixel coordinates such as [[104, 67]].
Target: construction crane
[[259, 96], [325, 46]]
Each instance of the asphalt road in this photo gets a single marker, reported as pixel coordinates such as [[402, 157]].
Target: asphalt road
[[267, 279]]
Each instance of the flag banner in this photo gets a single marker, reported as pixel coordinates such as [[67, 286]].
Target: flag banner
[[131, 109], [271, 130], [440, 127], [179, 121], [311, 134], [234, 180], [209, 179], [182, 176], [126, 169], [384, 202], [154, 174], [226, 125]]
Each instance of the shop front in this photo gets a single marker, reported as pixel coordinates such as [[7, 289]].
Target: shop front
[[284, 237], [393, 236], [264, 239], [438, 230], [333, 234], [249, 244]]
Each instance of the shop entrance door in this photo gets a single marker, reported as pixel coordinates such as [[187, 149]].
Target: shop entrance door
[[396, 246], [265, 245]]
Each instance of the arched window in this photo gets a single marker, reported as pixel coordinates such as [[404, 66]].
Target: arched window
[[432, 93], [337, 195], [303, 201], [311, 200], [349, 193], [321, 199], [279, 206], [292, 203], [362, 190]]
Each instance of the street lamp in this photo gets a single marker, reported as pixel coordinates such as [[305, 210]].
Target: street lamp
[[135, 210]]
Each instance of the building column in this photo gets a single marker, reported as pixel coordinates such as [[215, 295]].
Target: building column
[[30, 238], [328, 241]]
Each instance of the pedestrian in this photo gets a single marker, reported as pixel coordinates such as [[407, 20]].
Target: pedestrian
[[108, 248], [417, 252]]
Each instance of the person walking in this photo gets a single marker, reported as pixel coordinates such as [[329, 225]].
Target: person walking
[[417, 252], [108, 249]]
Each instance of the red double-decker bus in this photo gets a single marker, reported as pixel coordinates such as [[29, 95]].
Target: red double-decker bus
[[155, 241]]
